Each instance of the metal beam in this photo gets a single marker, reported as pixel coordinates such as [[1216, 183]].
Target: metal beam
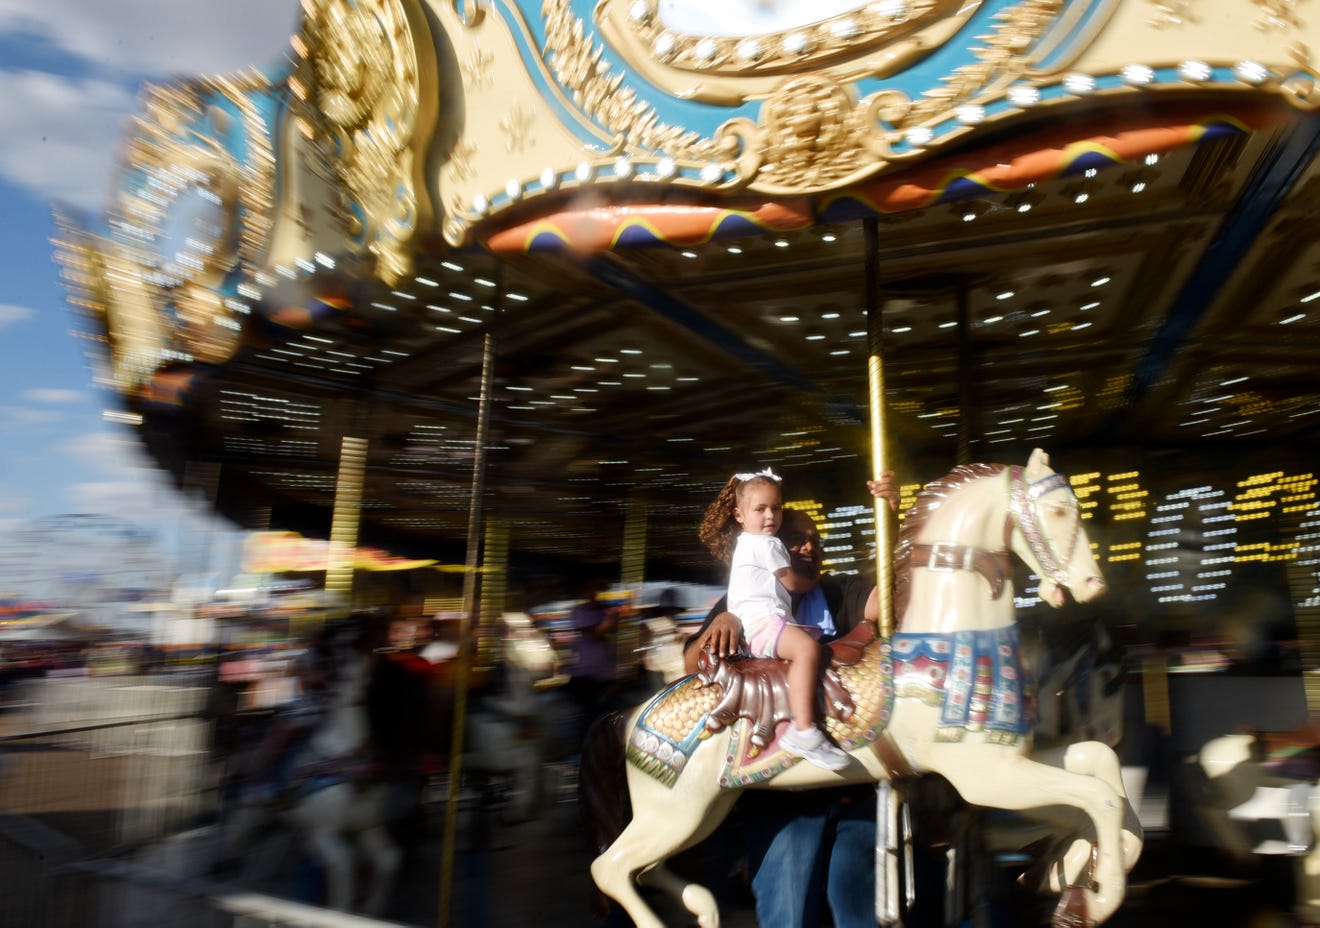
[[1269, 186]]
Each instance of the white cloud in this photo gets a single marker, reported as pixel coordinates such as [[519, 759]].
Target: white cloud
[[54, 395], [62, 133], [154, 39], [25, 415], [61, 136], [12, 315], [106, 452], [133, 490], [140, 501], [10, 504]]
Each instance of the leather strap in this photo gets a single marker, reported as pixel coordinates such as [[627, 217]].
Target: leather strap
[[891, 758], [995, 566]]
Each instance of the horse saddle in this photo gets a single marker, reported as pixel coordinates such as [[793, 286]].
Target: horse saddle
[[756, 689]]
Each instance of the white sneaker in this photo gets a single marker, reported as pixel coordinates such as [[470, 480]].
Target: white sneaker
[[812, 745]]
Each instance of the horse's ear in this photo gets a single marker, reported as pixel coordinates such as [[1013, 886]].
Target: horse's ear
[[1036, 464]]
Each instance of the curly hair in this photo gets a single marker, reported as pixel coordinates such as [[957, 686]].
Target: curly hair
[[719, 529]]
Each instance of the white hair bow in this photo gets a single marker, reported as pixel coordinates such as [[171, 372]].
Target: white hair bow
[[768, 473]]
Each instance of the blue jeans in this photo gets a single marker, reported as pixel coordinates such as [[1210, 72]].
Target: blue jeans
[[806, 849]]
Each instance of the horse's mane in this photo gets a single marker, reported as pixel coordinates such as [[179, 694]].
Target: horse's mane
[[935, 494]]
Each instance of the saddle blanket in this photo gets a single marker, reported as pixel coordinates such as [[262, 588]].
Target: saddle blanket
[[976, 677], [673, 725]]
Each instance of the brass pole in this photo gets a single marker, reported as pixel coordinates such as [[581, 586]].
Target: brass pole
[[884, 541], [347, 513], [889, 797], [635, 520], [463, 671], [494, 589]]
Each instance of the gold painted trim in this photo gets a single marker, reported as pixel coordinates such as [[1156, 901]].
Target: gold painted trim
[[812, 133], [122, 276], [873, 39], [372, 98]]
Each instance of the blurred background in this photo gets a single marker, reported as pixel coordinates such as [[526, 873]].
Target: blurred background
[[174, 612]]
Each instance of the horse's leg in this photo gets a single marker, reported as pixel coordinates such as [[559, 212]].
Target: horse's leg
[[1097, 759], [665, 821], [385, 857], [694, 897], [236, 833], [1067, 860], [997, 779], [335, 855]]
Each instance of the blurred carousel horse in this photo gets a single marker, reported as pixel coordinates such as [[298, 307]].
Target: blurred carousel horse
[[1079, 696], [339, 796], [702, 740], [1261, 798], [511, 728]]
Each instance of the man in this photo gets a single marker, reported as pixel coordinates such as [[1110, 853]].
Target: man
[[816, 846], [834, 604], [594, 669]]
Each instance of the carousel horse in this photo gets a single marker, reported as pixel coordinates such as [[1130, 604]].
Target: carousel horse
[[943, 695], [1079, 697], [1263, 798], [339, 805], [510, 729]]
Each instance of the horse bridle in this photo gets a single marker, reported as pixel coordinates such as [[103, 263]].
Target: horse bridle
[[997, 566], [1023, 509]]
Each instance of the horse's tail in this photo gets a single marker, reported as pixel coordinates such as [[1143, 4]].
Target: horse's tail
[[603, 779]]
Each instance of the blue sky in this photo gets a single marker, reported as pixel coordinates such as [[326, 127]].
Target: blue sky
[[70, 74]]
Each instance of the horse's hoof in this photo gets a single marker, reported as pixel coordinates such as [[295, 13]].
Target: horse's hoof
[[1073, 910]]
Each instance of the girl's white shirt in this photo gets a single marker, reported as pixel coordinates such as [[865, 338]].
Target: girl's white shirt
[[754, 590]]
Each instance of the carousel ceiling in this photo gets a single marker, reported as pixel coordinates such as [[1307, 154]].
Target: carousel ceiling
[[1157, 298], [1166, 305]]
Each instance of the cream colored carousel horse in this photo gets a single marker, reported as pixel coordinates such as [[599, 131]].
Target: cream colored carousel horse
[[943, 695], [1264, 798]]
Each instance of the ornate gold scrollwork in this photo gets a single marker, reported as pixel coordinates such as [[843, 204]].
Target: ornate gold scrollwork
[[1277, 14], [188, 216], [1169, 13], [580, 67], [886, 37], [366, 81], [469, 12], [133, 327], [1300, 87], [812, 134]]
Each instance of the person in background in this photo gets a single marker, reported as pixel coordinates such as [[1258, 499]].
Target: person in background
[[295, 721], [593, 670], [661, 642]]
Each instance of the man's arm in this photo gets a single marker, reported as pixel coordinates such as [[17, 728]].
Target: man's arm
[[885, 489], [596, 621], [871, 612], [721, 632]]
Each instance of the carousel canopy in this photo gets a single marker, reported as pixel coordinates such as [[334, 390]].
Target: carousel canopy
[[1085, 227]]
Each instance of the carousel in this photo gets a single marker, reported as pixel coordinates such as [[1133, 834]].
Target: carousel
[[500, 284]]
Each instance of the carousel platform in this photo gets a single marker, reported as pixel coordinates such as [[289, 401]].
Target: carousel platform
[[536, 872]]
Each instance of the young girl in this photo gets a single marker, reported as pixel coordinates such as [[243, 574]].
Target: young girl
[[740, 529]]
